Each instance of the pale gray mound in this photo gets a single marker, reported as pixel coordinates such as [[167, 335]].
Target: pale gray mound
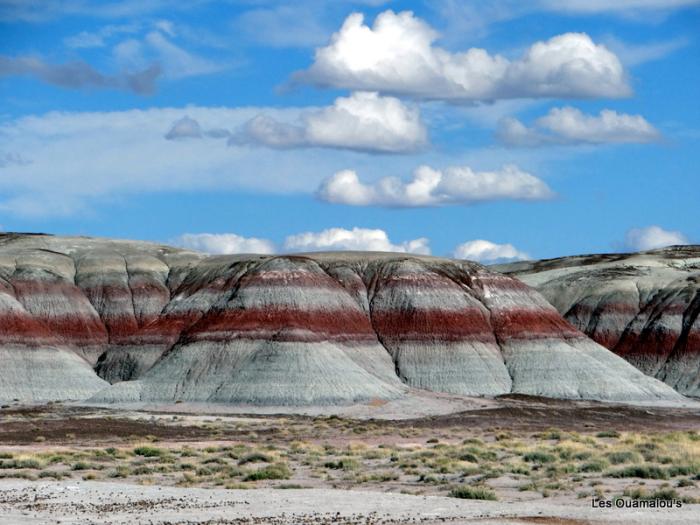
[[578, 369], [262, 373], [45, 374]]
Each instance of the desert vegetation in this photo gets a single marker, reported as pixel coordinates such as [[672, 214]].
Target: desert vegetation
[[335, 452]]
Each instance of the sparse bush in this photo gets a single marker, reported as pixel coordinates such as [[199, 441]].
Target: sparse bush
[[255, 457], [608, 434], [539, 457], [473, 492], [640, 471], [148, 452], [622, 456], [276, 471]]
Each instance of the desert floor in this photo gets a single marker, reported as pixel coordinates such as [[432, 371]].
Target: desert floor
[[510, 460]]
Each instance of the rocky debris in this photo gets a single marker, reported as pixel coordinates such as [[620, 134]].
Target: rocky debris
[[642, 306], [167, 325]]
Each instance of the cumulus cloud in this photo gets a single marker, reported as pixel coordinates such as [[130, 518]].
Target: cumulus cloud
[[569, 125], [223, 243], [652, 237], [431, 187], [360, 239], [363, 121], [332, 239], [397, 55], [79, 74], [488, 252]]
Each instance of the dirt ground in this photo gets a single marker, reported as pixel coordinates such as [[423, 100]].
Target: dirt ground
[[511, 460]]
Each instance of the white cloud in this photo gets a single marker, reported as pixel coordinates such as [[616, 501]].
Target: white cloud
[[431, 187], [653, 237], [488, 252], [569, 125], [218, 243], [396, 55], [363, 121], [358, 239]]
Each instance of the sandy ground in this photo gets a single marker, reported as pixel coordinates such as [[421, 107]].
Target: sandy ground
[[331, 496], [79, 502]]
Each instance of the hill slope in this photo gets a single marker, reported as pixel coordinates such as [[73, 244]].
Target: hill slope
[[642, 306], [166, 324]]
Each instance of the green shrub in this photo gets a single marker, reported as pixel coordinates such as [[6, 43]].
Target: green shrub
[[608, 434], [622, 456], [640, 471], [255, 457], [148, 452], [539, 457], [593, 466], [276, 471], [471, 492], [643, 494]]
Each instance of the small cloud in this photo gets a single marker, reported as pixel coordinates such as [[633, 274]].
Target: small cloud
[[567, 126], [76, 75], [357, 239], [12, 159], [488, 252], [652, 237], [431, 187], [363, 121], [224, 243], [185, 127]]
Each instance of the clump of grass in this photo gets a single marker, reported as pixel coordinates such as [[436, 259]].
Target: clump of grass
[[255, 457], [539, 456], [473, 492], [54, 474], [640, 471], [20, 463], [642, 494], [149, 452], [596, 465], [608, 434], [342, 464], [276, 471], [622, 456]]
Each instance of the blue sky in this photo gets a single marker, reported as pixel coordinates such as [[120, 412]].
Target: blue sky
[[543, 128]]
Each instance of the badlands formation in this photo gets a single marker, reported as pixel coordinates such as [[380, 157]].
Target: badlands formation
[[122, 321], [642, 306]]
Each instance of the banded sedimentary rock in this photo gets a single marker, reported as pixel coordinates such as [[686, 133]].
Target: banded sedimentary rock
[[166, 325], [642, 306]]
